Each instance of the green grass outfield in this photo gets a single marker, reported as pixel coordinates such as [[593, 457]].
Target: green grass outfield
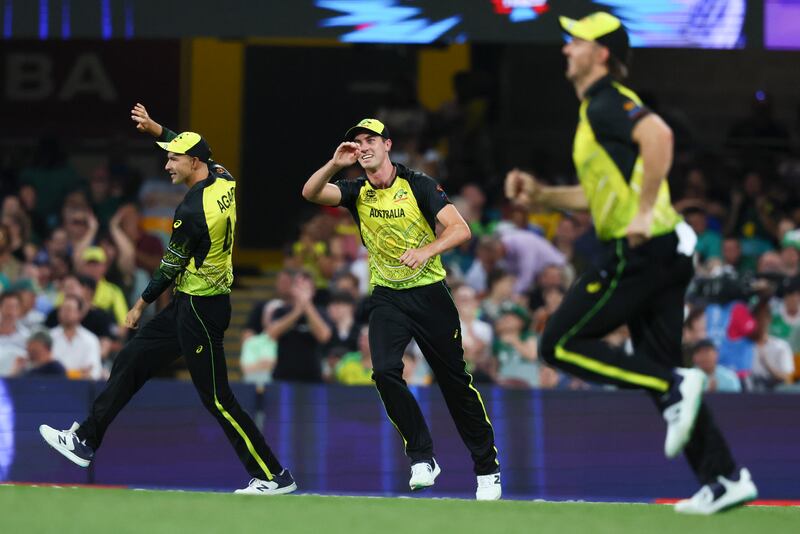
[[25, 509]]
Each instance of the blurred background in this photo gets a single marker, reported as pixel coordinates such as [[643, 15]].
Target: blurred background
[[469, 90]]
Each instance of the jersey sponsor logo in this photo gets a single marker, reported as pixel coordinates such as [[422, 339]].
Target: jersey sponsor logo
[[400, 196], [442, 194], [387, 214], [370, 196], [177, 223], [633, 109], [224, 202]]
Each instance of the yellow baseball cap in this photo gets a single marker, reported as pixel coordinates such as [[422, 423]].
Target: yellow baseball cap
[[94, 254], [602, 28], [189, 143], [370, 125]]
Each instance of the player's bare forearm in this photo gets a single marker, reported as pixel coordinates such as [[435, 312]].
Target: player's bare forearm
[[451, 237], [655, 145], [318, 190], [567, 197]]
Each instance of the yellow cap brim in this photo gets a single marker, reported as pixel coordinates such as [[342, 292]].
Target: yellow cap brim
[[592, 27]]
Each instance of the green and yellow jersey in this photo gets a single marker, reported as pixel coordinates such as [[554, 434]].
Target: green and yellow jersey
[[199, 255], [393, 220], [608, 162]]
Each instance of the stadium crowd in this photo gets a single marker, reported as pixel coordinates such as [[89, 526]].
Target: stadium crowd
[[76, 251]]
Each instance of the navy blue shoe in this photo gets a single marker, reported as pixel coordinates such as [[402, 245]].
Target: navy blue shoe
[[280, 484], [67, 443]]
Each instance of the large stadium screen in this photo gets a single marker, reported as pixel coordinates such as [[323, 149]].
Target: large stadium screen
[[652, 23], [781, 23]]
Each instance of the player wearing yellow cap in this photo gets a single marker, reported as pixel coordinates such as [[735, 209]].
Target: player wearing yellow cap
[[396, 210], [622, 153], [198, 261]]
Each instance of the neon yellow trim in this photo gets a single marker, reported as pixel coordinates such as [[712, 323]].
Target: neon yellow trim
[[598, 366], [405, 443], [609, 370], [485, 413], [222, 410]]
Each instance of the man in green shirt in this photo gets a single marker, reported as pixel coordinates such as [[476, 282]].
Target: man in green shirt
[[622, 153], [198, 260], [396, 209]]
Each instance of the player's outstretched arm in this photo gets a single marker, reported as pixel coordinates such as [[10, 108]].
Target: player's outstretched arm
[[317, 189], [522, 188], [144, 123]]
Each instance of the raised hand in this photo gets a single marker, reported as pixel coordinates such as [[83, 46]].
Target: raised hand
[[521, 187], [346, 154], [143, 121]]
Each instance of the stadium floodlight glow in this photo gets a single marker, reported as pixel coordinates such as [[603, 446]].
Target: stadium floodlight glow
[[6, 431], [384, 21]]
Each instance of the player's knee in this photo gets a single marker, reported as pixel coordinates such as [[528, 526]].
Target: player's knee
[[547, 346], [383, 375]]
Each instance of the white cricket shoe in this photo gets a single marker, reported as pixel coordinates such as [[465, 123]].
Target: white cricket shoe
[[423, 474], [721, 495], [489, 488], [684, 399], [67, 443], [280, 484]]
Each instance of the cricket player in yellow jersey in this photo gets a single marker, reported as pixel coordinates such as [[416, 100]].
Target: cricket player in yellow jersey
[[199, 262], [622, 153], [396, 210]]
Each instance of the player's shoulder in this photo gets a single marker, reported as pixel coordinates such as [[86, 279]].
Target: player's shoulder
[[351, 184], [414, 177], [612, 100], [218, 171]]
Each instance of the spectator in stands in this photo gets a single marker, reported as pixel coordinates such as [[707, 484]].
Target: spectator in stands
[[30, 317], [347, 282], [732, 256], [488, 254], [525, 254], [341, 311], [709, 242], [300, 331], [481, 220], [310, 252], [501, 291], [148, 248], [355, 367], [99, 322], [73, 345], [13, 335], [773, 361], [476, 335], [705, 357], [551, 300], [785, 322], [104, 202], [10, 267], [108, 296], [752, 218], [28, 198], [515, 348], [52, 177], [283, 290], [552, 276], [40, 361], [259, 351], [790, 253]]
